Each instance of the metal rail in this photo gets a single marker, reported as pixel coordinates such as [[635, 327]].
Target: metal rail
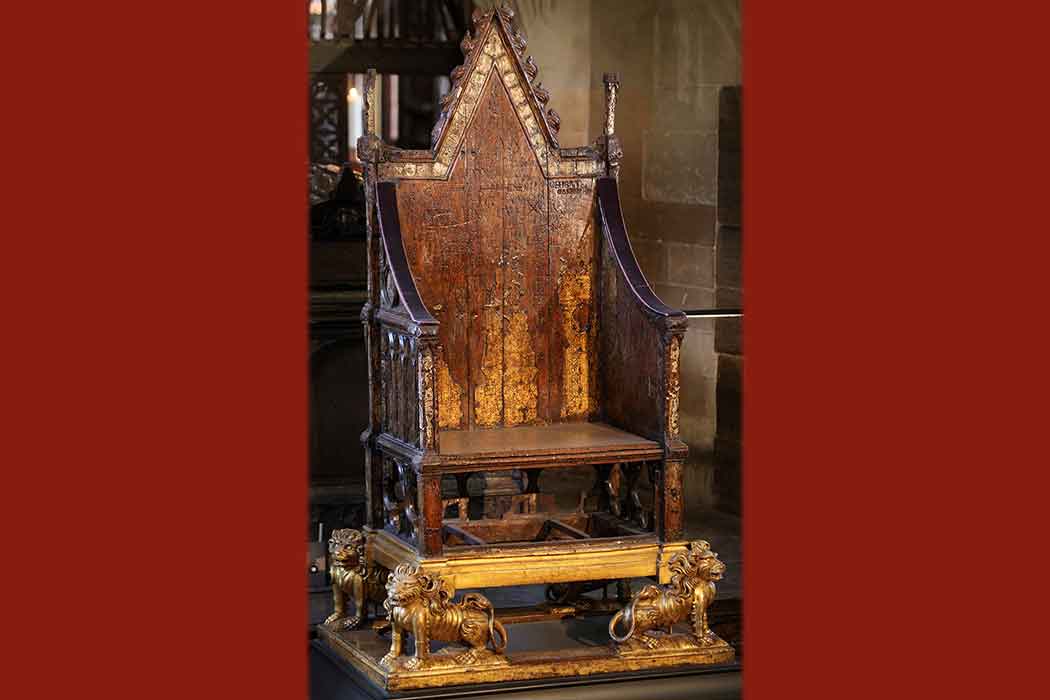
[[714, 313]]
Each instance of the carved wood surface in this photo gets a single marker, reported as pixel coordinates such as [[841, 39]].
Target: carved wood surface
[[505, 260], [400, 371]]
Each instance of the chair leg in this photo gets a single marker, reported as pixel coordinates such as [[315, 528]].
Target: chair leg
[[431, 513], [671, 516]]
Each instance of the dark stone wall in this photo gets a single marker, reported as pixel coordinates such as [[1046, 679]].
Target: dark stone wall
[[729, 286], [338, 410]]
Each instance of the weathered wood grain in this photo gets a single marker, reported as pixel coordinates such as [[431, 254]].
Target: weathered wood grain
[[482, 237], [572, 259]]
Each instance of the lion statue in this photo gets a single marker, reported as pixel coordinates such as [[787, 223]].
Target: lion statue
[[351, 578], [421, 605], [687, 596]]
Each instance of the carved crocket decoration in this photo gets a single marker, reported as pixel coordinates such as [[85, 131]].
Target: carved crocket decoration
[[352, 577], [687, 596], [421, 605]]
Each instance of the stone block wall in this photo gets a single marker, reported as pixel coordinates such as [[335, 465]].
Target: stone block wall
[[678, 183]]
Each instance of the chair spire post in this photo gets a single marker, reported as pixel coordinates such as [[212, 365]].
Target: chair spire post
[[613, 150]]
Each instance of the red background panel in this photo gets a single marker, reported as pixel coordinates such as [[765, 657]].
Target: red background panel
[[158, 340], [889, 202]]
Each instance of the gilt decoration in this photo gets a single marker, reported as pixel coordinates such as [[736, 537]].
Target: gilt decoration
[[646, 623], [421, 604], [353, 579]]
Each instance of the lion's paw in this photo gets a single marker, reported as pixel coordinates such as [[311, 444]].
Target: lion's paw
[[708, 639], [388, 660], [351, 623], [466, 658], [415, 663], [332, 619]]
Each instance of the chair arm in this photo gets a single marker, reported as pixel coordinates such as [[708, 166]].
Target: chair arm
[[639, 336], [397, 275], [408, 338]]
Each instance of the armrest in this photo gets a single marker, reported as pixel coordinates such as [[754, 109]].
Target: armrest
[[615, 232], [397, 261], [639, 337], [408, 339]]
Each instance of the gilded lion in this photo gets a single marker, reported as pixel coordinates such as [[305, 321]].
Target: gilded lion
[[351, 578], [421, 605], [687, 596]]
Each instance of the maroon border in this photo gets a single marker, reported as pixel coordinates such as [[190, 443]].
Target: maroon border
[[887, 399], [156, 213]]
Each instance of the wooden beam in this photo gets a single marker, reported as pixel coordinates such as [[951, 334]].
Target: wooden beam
[[462, 534], [360, 55], [621, 526], [630, 529], [567, 529]]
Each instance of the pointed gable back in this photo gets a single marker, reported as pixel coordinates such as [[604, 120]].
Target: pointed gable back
[[499, 230], [497, 48]]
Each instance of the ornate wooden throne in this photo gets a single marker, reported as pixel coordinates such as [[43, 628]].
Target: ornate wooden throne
[[510, 329]]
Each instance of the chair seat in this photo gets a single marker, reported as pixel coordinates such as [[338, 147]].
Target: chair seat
[[543, 445]]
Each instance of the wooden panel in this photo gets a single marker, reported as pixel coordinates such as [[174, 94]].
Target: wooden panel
[[437, 235], [641, 338], [632, 374], [479, 245], [485, 194], [526, 289], [574, 326]]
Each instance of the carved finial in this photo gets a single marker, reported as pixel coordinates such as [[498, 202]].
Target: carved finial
[[479, 17], [542, 94], [369, 145], [506, 11], [613, 149], [612, 84], [467, 45], [531, 69], [553, 120], [370, 103]]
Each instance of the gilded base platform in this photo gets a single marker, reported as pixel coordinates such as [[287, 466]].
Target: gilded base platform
[[575, 647], [523, 563]]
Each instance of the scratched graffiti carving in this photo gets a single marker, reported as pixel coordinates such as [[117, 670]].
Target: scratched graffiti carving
[[501, 218]]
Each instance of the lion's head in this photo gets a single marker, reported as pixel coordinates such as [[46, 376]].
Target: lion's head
[[346, 547], [710, 568], [408, 583], [697, 562]]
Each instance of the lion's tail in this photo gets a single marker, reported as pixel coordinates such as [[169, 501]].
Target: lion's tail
[[497, 626], [627, 615], [480, 602]]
